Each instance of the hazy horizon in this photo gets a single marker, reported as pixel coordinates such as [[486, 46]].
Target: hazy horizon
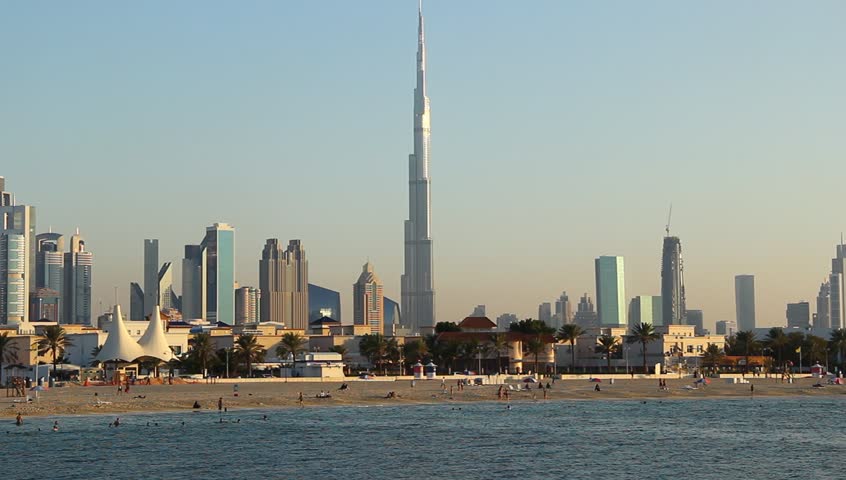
[[560, 132]]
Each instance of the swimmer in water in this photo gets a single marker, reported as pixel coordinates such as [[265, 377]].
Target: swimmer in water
[[56, 426], [508, 407], [19, 420], [117, 422]]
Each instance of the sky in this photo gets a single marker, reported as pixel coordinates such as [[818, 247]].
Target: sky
[[561, 131]]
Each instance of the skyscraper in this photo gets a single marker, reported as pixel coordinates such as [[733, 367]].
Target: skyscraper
[[368, 300], [17, 258], [193, 286], [45, 304], [545, 313], [219, 249], [744, 301], [798, 315], [79, 264], [646, 309], [151, 275], [323, 302], [837, 284], [563, 310], [393, 320], [164, 285], [672, 281], [247, 305], [417, 283], [726, 327], [697, 319], [585, 314], [610, 290], [136, 302], [283, 280], [50, 264], [821, 319]]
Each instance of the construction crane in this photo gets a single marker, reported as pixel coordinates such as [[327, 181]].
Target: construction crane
[[669, 217]]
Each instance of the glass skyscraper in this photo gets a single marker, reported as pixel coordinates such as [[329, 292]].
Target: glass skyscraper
[[17, 258], [672, 282], [323, 302], [744, 301], [79, 264], [219, 249], [610, 290]]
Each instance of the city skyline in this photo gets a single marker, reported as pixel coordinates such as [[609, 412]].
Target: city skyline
[[471, 174]]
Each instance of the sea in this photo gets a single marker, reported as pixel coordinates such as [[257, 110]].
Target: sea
[[738, 438]]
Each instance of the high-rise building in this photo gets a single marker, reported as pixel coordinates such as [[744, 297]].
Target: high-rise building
[[504, 321], [479, 311], [837, 292], [45, 304], [585, 314], [726, 327], [744, 301], [323, 302], [545, 312], [672, 282], [247, 305], [393, 319], [79, 264], [697, 319], [17, 258], [219, 249], [417, 283], [821, 319], [50, 265], [193, 286], [798, 315], [368, 300], [164, 284], [283, 280], [151, 275], [563, 310], [136, 302], [646, 309], [610, 290]]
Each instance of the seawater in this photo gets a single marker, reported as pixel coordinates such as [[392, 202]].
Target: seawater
[[705, 438]]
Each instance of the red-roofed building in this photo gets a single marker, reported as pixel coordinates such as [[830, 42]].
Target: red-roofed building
[[477, 324]]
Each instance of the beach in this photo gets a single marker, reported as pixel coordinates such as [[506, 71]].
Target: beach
[[78, 400]]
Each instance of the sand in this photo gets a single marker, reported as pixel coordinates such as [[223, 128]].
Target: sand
[[73, 400]]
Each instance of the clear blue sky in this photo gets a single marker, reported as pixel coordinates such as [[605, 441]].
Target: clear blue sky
[[561, 132]]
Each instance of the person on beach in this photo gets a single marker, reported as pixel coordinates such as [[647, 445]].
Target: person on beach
[[19, 420], [544, 394], [196, 404], [300, 399], [752, 389], [220, 404], [596, 388]]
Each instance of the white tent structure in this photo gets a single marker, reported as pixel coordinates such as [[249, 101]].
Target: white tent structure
[[119, 346], [153, 342]]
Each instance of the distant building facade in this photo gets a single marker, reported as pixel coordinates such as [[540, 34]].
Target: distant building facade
[[136, 302], [563, 310], [586, 316], [696, 319], [504, 321], [151, 275], [672, 282], [726, 327], [798, 315], [283, 280], [368, 297], [45, 304], [821, 318], [323, 302], [247, 305], [646, 309], [50, 265], [545, 312], [744, 298], [611, 290], [79, 265], [17, 258]]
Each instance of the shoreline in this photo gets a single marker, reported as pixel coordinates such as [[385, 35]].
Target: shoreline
[[103, 401]]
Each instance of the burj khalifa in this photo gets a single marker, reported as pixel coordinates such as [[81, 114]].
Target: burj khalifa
[[418, 292]]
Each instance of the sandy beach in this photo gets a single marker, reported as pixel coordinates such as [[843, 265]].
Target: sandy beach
[[72, 400]]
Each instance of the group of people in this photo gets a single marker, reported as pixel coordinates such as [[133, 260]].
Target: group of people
[[662, 385]]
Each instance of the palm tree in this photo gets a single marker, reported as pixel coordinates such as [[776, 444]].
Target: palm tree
[[712, 357], [202, 350], [54, 340], [607, 345], [748, 344], [776, 340], [414, 351], [292, 343], [499, 342], [250, 350], [376, 348], [569, 333], [643, 334], [838, 343], [535, 346], [8, 352], [94, 352]]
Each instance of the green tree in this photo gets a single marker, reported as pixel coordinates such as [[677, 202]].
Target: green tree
[[776, 340], [202, 351], [608, 346], [643, 334], [712, 357], [415, 351], [249, 350], [291, 343], [54, 340], [442, 327], [531, 327], [569, 333], [534, 346], [748, 345], [376, 348], [499, 343], [94, 352], [8, 352], [838, 343]]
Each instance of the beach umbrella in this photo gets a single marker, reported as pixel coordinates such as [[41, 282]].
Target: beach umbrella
[[596, 380]]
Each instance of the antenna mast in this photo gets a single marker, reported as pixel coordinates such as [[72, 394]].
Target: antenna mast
[[669, 217]]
